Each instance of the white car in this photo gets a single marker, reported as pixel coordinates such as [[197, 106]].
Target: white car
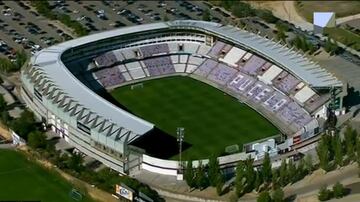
[[100, 12], [120, 12]]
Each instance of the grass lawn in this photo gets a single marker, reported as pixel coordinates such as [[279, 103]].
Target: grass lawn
[[212, 120], [21, 179], [344, 36], [341, 8]]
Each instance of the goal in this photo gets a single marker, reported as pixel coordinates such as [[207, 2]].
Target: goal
[[75, 195], [135, 86], [232, 149]]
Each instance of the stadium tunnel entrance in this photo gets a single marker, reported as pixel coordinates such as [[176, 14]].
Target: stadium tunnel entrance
[[159, 144]]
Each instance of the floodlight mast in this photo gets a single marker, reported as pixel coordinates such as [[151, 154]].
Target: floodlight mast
[[180, 131]]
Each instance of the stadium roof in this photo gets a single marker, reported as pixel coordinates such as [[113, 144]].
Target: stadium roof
[[294, 62], [49, 61], [287, 58]]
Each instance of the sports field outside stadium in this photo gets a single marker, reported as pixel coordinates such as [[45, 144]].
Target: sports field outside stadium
[[23, 180], [212, 119]]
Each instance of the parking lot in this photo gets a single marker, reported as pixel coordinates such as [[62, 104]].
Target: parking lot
[[21, 27], [104, 15]]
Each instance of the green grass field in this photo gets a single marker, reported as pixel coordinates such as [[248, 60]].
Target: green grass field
[[212, 120], [344, 36], [21, 179]]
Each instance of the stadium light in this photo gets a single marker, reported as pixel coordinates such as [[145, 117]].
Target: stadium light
[[180, 131]]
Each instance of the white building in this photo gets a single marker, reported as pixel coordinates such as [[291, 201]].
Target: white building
[[322, 20]]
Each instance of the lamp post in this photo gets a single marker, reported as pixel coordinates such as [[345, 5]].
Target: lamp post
[[180, 138]]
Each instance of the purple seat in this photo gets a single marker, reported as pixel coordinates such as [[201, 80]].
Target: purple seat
[[151, 50], [252, 65], [222, 74], [110, 76], [159, 66], [205, 68]]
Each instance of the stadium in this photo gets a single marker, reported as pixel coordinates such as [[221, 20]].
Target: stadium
[[101, 92]]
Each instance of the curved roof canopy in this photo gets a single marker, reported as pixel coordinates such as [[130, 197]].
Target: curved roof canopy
[[49, 62]]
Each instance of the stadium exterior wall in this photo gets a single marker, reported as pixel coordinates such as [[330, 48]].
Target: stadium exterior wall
[[48, 110], [171, 167], [43, 110]]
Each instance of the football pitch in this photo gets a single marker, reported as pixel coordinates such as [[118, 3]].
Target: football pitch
[[212, 120], [22, 180]]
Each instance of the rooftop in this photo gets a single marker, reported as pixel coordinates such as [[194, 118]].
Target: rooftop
[[48, 61]]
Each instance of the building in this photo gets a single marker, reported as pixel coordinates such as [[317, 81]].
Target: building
[[60, 83], [322, 20]]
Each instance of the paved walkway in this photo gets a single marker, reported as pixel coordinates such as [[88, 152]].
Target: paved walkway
[[173, 190], [7, 146], [347, 18], [170, 188], [319, 178], [343, 69]]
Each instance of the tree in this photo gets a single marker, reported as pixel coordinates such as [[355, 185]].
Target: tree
[[328, 45], [275, 178], [323, 153], [5, 117], [280, 35], [37, 139], [250, 175], [283, 173], [21, 58], [206, 15], [264, 197], [214, 170], [358, 151], [338, 151], [2, 103], [239, 179], [278, 195], [189, 174], [339, 190], [219, 184], [75, 162], [266, 15], [312, 48], [201, 179], [24, 124], [350, 140], [61, 160], [6, 65], [308, 164], [241, 9], [266, 168], [324, 194], [300, 171], [331, 48], [227, 4], [258, 181], [291, 172]]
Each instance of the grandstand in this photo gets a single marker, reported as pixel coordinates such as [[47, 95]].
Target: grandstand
[[60, 83]]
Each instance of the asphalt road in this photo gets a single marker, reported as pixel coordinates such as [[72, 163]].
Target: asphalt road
[[345, 54]]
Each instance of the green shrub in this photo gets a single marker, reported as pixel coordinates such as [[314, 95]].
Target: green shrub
[[324, 194]]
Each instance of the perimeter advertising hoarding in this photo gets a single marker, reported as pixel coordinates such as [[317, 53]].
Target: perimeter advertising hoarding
[[124, 192]]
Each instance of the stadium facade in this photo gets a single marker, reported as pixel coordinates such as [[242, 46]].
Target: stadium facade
[[60, 84]]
